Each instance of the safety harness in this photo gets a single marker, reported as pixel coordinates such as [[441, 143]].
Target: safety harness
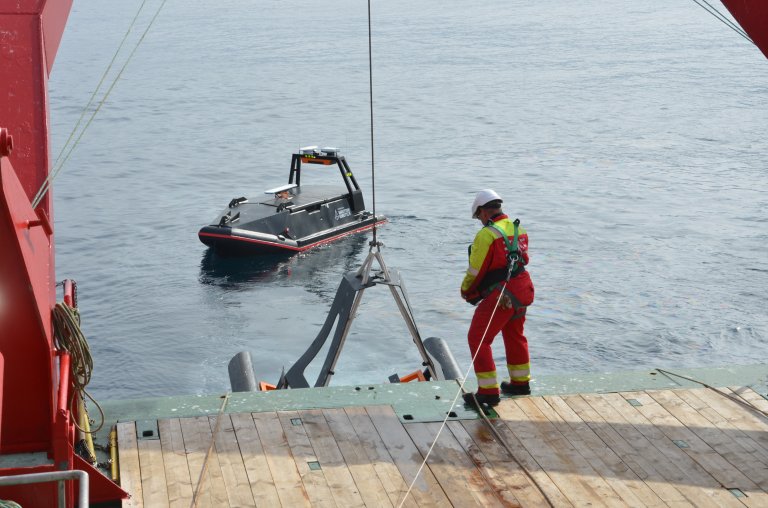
[[499, 278], [514, 266]]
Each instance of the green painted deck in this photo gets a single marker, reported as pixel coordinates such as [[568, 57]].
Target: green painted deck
[[660, 445]]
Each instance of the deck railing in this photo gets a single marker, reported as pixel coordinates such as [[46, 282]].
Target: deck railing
[[53, 476]]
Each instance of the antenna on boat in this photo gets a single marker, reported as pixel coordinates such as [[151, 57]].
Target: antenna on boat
[[370, 101]]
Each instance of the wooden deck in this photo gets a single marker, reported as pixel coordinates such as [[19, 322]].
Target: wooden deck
[[687, 447]]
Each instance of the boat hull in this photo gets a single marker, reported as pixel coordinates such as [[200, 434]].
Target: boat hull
[[310, 216], [233, 241]]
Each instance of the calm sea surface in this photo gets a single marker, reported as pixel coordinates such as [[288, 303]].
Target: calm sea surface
[[628, 137]]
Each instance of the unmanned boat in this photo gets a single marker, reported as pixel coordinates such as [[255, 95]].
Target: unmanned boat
[[293, 217]]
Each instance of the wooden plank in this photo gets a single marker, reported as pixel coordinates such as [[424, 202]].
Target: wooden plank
[[692, 397], [377, 455], [462, 482], [343, 487], [152, 473], [628, 444], [749, 395], [256, 465], [314, 480], [426, 490], [130, 470], [722, 443], [512, 470], [197, 438], [539, 476], [632, 490], [231, 462], [505, 468], [570, 447], [496, 475], [709, 462], [692, 480], [552, 452], [748, 422], [177, 476], [353, 454], [285, 473]]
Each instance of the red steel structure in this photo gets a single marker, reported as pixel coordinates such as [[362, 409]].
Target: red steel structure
[[752, 15], [37, 431]]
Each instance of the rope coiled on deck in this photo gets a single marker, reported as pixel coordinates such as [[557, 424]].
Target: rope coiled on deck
[[69, 337]]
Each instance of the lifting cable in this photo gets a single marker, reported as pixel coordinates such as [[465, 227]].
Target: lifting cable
[[59, 163], [722, 18], [735, 399], [370, 101], [461, 390]]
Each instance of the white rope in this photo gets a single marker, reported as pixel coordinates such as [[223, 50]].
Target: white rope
[[49, 180], [204, 468], [455, 399], [101, 82]]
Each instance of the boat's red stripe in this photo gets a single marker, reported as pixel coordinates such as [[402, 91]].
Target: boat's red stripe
[[290, 247]]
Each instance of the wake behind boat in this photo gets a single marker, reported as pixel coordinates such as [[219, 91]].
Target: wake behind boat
[[294, 217]]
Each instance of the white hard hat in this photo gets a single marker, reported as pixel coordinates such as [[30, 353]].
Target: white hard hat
[[484, 197]]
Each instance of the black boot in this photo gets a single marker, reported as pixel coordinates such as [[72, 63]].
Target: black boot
[[511, 389], [473, 399]]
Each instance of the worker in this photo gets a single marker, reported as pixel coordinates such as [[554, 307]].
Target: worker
[[498, 283]]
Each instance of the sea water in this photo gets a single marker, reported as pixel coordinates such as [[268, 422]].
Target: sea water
[[628, 137]]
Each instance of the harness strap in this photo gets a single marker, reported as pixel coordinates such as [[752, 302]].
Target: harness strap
[[513, 256], [499, 278]]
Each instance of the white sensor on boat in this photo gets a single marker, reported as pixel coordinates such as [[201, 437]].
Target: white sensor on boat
[[308, 150], [331, 152]]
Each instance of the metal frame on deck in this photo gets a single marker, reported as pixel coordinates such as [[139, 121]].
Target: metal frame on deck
[[342, 313]]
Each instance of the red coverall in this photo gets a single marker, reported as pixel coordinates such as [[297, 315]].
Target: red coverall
[[488, 254]]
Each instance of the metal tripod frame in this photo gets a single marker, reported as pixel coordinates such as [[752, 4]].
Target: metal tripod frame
[[345, 305]]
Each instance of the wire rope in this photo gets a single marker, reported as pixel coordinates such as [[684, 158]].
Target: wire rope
[[370, 101], [52, 176], [722, 18], [737, 400], [411, 315]]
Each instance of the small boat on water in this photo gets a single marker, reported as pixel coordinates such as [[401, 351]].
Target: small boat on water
[[292, 217]]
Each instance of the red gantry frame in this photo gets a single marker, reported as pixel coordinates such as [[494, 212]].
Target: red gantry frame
[[37, 431]]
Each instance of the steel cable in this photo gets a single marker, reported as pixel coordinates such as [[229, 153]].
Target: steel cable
[[370, 97], [722, 18], [737, 400]]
